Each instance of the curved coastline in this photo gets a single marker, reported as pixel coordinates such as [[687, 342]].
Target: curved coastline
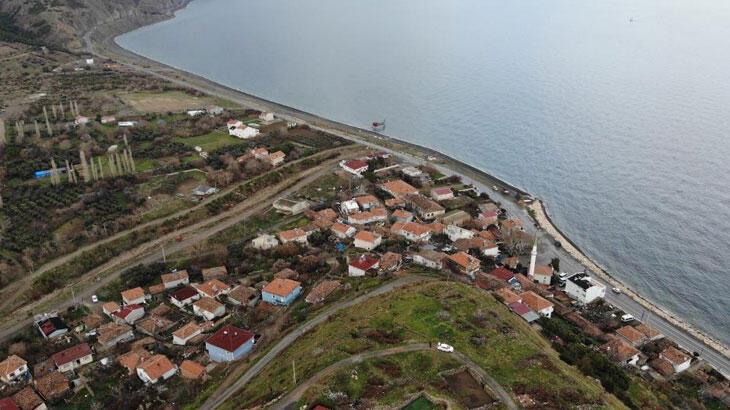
[[100, 41]]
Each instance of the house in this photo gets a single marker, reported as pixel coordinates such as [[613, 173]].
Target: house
[[343, 231], [412, 231], [281, 291], [621, 352], [489, 248], [488, 217], [649, 333], [52, 386], [195, 113], [184, 296], [156, 289], [679, 360], [134, 296], [543, 274], [455, 217], [81, 120], [244, 296], [208, 308], [154, 325], [354, 166], [287, 273], [395, 203], [192, 370], [425, 208], [183, 335], [214, 272], [368, 217], [127, 124], [524, 311], [133, 359], [264, 242], [266, 116], [155, 369], [110, 307], [464, 263], [401, 215], [509, 225], [72, 358], [455, 233], [291, 207], [367, 202], [349, 207], [232, 123], [28, 399], [214, 110], [367, 240], [51, 326], [229, 343], [502, 274], [243, 132], [583, 288], [276, 158], [128, 314], [14, 369], [442, 194], [488, 207], [512, 262], [320, 292], [508, 296], [111, 334], [360, 265], [326, 213], [175, 279], [537, 303], [212, 288], [260, 153], [108, 119], [398, 188], [411, 172], [390, 262], [631, 335], [293, 235], [8, 403], [429, 258], [204, 190]]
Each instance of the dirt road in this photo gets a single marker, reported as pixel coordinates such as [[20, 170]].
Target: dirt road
[[292, 397]]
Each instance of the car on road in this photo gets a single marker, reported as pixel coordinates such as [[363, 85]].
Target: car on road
[[444, 347], [627, 318], [94, 299], [616, 290], [494, 188]]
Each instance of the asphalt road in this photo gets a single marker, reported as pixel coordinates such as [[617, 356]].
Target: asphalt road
[[292, 397], [221, 396]]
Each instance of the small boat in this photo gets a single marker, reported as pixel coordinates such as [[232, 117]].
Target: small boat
[[378, 126]]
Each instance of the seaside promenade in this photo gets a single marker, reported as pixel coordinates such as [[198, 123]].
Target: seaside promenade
[[101, 44]]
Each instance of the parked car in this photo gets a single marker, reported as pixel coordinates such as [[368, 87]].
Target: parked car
[[627, 318], [444, 347], [94, 299], [616, 290]]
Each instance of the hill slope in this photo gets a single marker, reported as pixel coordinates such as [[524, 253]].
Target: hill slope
[[62, 23]]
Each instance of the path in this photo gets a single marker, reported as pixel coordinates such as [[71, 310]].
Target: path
[[294, 396], [93, 280], [220, 396]]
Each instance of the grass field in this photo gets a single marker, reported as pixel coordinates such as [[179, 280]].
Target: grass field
[[468, 318], [169, 101], [210, 142]]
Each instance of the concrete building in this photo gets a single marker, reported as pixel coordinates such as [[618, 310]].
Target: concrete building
[[583, 288], [229, 343], [281, 291]]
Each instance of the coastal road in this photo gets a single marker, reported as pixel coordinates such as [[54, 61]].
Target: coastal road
[[105, 47], [87, 286], [292, 397], [219, 397]]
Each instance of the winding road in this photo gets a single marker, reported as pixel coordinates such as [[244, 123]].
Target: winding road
[[292, 397]]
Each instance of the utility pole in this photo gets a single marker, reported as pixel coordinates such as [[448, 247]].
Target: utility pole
[[164, 257], [294, 371]]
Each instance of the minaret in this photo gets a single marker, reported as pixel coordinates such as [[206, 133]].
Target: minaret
[[533, 258]]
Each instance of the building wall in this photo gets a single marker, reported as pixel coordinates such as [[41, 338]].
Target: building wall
[[279, 300], [219, 355], [76, 364]]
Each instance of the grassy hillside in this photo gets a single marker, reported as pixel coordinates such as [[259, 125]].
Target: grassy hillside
[[468, 318]]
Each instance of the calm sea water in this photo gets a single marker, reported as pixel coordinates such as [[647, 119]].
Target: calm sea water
[[621, 126]]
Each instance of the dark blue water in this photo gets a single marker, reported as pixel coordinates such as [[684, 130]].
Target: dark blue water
[[621, 126]]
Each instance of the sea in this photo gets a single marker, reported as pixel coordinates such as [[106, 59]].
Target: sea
[[615, 112]]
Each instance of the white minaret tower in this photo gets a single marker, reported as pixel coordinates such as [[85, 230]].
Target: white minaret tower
[[533, 258]]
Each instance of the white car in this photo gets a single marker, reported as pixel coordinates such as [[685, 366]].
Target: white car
[[616, 290], [627, 318], [445, 347], [94, 299]]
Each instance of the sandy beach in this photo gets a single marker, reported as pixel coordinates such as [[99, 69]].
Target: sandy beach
[[100, 42]]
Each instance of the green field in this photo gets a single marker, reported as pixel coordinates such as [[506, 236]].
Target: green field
[[468, 318], [210, 142]]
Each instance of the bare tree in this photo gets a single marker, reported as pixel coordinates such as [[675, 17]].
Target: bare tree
[[48, 123]]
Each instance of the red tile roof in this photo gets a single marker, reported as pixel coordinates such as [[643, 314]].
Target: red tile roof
[[364, 262], [230, 338], [281, 287], [502, 273], [71, 354], [185, 293], [356, 164]]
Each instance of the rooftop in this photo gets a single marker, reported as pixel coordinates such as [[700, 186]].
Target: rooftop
[[281, 287], [156, 366], [535, 301], [230, 338], [364, 262], [11, 364], [207, 304], [133, 294], [674, 355], [174, 276], [72, 353]]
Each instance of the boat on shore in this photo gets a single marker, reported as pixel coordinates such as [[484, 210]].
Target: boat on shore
[[378, 125]]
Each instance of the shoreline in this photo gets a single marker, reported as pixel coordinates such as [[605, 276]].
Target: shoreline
[[106, 47]]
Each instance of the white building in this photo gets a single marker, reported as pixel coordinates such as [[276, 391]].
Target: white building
[[81, 120], [354, 166], [584, 289], [243, 132], [266, 116], [430, 259], [367, 240], [13, 369], [343, 231], [349, 207], [155, 369], [456, 232], [264, 242], [195, 113]]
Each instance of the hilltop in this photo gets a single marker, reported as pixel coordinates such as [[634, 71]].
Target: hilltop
[[62, 23]]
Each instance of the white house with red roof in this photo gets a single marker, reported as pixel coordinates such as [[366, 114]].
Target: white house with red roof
[[128, 314], [73, 357], [360, 265], [367, 240], [442, 193], [354, 166]]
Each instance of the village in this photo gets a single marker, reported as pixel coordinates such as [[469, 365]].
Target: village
[[238, 228], [189, 322]]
